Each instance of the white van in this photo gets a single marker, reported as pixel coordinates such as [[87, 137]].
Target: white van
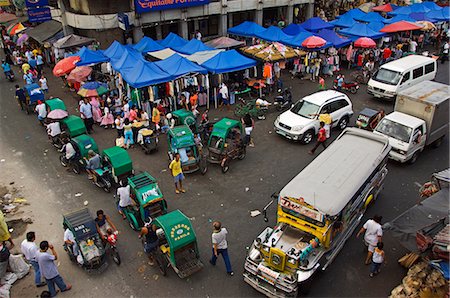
[[400, 74]]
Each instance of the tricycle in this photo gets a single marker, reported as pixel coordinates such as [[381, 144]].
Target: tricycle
[[73, 126], [177, 244], [33, 93], [116, 168], [88, 250], [149, 201], [82, 145], [185, 117], [181, 140], [55, 104], [365, 119], [225, 143], [148, 140]]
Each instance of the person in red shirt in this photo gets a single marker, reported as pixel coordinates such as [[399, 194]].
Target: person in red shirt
[[386, 53], [321, 138], [133, 114]]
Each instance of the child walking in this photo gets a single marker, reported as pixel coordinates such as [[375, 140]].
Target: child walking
[[378, 258]]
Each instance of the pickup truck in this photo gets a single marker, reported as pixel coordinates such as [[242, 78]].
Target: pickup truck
[[420, 118]]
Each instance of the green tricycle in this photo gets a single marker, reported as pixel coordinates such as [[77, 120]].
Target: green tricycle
[[72, 126], [185, 117], [82, 144], [149, 201], [177, 245], [116, 168], [225, 143], [55, 104], [181, 140]]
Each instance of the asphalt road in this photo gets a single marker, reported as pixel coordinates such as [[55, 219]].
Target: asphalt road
[[33, 165]]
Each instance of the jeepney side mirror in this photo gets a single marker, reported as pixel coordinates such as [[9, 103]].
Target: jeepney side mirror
[[273, 196]]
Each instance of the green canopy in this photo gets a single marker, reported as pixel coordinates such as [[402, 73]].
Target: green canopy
[[73, 125], [184, 117], [120, 160], [145, 187], [181, 137], [84, 144], [178, 230], [224, 126], [55, 103]]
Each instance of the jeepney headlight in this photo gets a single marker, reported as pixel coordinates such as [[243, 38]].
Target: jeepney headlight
[[292, 261], [297, 128]]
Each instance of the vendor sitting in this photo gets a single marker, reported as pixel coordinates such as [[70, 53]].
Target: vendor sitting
[[103, 223], [93, 163], [125, 199]]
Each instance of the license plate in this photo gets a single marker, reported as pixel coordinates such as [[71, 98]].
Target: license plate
[[377, 95], [280, 132]]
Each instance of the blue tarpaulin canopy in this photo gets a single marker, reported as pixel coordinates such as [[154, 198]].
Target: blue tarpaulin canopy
[[375, 26], [416, 7], [143, 74], [228, 61], [296, 41], [193, 46], [173, 41], [398, 18], [293, 29], [178, 66], [421, 16], [115, 50], [129, 59], [361, 30], [88, 57], [146, 44], [344, 21], [369, 17], [442, 15], [431, 5], [354, 13], [315, 24], [247, 29], [336, 40], [272, 33]]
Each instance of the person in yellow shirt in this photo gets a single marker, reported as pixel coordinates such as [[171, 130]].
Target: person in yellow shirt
[[25, 67], [177, 173], [325, 118]]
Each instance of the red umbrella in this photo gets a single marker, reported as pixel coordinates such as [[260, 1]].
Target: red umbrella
[[79, 74], [383, 8], [65, 66], [313, 42], [400, 26], [365, 42]]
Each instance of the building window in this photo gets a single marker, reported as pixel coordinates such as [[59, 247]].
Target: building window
[[271, 16], [240, 17]]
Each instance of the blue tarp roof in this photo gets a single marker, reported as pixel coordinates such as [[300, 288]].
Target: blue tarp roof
[[146, 44], [296, 41], [247, 28], [344, 21], [228, 61], [144, 74], [315, 24], [336, 40], [361, 30], [272, 33], [354, 13], [398, 18], [421, 16], [293, 29], [416, 7], [115, 50], [193, 46], [431, 5], [178, 66], [128, 60], [88, 57], [369, 17], [439, 15], [376, 26], [173, 41]]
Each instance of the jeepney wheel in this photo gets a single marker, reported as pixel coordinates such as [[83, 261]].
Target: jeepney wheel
[[242, 154], [161, 262], [304, 287], [62, 160]]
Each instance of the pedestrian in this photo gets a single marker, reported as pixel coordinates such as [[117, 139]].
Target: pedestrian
[[378, 258], [445, 49], [412, 46], [156, 117], [49, 269], [33, 63], [43, 83], [128, 133], [41, 110], [321, 83], [321, 138], [198, 35], [177, 173], [39, 64], [86, 114], [340, 81], [119, 126], [21, 98], [30, 251], [248, 123], [28, 77], [224, 95], [372, 235], [220, 246], [4, 259], [151, 241]]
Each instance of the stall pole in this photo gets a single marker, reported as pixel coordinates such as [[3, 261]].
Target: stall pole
[[207, 91], [215, 97]]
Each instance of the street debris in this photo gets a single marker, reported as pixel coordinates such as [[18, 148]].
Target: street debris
[[78, 194], [85, 203], [255, 213], [247, 189]]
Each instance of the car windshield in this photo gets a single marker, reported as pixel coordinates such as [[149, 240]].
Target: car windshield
[[305, 109], [387, 76], [394, 130]]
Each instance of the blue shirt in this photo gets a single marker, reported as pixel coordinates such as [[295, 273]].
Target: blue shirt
[[86, 109], [21, 94], [28, 78], [39, 60], [6, 67], [47, 265], [340, 82], [32, 62]]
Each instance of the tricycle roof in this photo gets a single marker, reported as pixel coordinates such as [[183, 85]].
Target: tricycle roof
[[182, 137], [55, 103], [145, 187], [75, 125], [34, 92], [84, 144], [81, 224], [182, 113], [223, 127], [368, 112], [177, 228], [119, 158]]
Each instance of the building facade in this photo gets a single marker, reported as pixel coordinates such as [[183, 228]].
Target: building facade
[[99, 18]]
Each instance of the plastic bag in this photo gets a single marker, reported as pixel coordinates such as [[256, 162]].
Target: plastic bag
[[120, 142], [18, 265], [4, 291], [9, 278]]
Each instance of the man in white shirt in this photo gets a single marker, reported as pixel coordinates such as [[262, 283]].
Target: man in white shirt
[[412, 46], [445, 49], [372, 235], [223, 91], [41, 110], [220, 246], [54, 129], [124, 199], [69, 239], [68, 149], [30, 251]]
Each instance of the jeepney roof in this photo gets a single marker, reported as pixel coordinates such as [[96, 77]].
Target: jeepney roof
[[333, 177], [177, 228], [120, 160], [182, 137], [84, 144], [224, 125], [75, 125], [55, 103], [142, 184], [81, 224]]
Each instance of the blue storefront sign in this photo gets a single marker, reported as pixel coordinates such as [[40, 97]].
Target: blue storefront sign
[[35, 3], [42, 14], [143, 6]]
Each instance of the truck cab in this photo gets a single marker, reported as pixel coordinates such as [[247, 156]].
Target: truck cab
[[407, 135]]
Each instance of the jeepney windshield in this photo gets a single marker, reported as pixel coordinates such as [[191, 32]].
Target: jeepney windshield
[[302, 212], [394, 130]]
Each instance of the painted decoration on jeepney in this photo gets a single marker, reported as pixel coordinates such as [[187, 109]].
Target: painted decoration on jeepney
[[303, 210], [180, 231], [143, 6]]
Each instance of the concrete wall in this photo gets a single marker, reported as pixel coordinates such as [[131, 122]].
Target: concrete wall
[[97, 7], [105, 37]]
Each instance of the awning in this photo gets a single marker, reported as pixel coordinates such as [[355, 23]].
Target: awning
[[296, 41], [146, 44], [128, 60], [400, 26], [172, 41], [162, 54], [178, 66], [228, 61], [272, 33], [336, 40], [370, 17], [144, 74], [344, 21], [72, 40], [400, 17], [115, 50], [247, 29], [224, 42], [361, 30], [193, 46], [7, 17], [315, 24], [293, 29], [202, 57], [89, 57], [44, 31]]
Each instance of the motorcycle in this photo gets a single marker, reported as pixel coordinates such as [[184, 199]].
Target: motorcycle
[[352, 87], [103, 179], [283, 100], [72, 164]]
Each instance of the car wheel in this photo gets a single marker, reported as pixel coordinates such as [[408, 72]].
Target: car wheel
[[437, 143], [353, 90], [307, 137], [343, 122], [414, 157]]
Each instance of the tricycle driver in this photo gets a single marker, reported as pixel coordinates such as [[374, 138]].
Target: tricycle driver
[[69, 150], [125, 199], [151, 240], [103, 223], [69, 240], [93, 163]]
